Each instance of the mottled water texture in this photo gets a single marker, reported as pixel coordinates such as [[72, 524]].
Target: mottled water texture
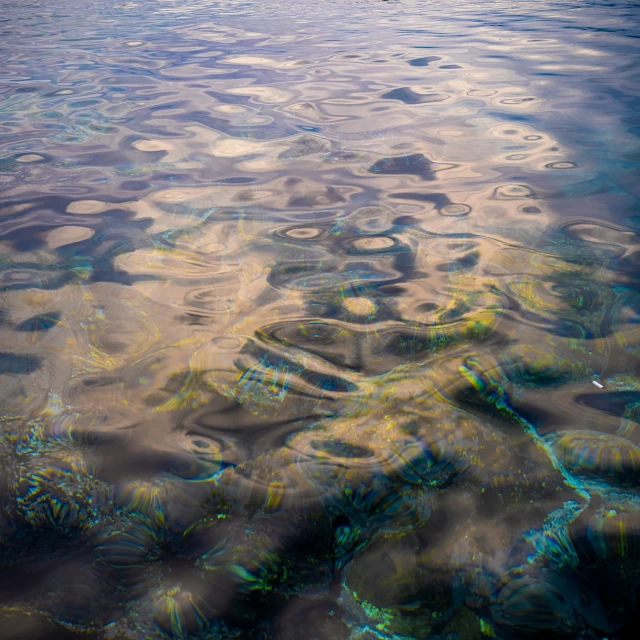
[[301, 306]]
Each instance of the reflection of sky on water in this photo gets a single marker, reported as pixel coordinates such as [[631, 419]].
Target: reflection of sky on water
[[300, 310]]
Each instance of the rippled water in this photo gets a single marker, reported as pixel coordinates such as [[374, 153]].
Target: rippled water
[[302, 306]]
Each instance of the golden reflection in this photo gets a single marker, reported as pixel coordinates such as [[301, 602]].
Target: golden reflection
[[299, 326]]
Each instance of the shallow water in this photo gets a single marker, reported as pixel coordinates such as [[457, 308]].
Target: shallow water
[[301, 307]]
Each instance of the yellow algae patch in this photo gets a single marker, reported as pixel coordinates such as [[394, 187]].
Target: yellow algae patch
[[359, 306], [274, 496]]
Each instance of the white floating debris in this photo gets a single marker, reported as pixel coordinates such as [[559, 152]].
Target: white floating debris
[[600, 386]]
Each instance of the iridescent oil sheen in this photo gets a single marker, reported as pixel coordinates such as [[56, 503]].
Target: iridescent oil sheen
[[301, 310]]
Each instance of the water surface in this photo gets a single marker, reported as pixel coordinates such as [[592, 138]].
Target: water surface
[[301, 307]]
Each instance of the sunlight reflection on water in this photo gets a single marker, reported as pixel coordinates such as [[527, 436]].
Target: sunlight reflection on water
[[301, 308]]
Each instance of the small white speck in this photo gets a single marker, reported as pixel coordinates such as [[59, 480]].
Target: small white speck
[[600, 386]]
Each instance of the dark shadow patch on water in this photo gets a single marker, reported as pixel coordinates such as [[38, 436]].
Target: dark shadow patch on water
[[612, 402], [411, 165], [41, 322], [17, 364], [424, 62], [408, 96]]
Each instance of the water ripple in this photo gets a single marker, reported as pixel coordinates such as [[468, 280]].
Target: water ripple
[[300, 315]]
